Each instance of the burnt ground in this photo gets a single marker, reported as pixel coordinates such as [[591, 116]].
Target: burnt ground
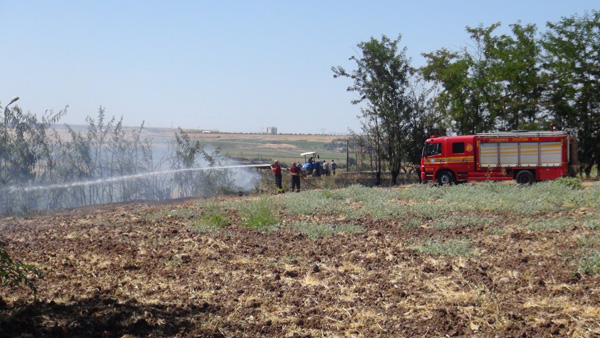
[[136, 270]]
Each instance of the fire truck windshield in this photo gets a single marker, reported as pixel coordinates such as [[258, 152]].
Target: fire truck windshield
[[432, 149]]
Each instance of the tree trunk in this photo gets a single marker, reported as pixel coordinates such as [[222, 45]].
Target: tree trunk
[[395, 174], [378, 178]]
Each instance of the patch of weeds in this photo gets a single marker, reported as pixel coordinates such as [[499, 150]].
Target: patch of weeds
[[549, 224], [593, 196], [316, 230], [303, 204], [496, 230], [569, 182], [347, 210], [412, 223], [592, 222], [151, 216], [213, 215], [183, 213], [587, 241], [258, 214], [460, 221], [450, 247], [211, 220], [425, 211], [349, 228], [589, 263]]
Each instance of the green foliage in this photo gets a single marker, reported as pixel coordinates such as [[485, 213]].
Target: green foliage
[[589, 263], [412, 223], [571, 182], [437, 202], [391, 118], [258, 214], [316, 230], [213, 215], [497, 84], [549, 224], [450, 247], [14, 273], [462, 220], [592, 222], [572, 67], [588, 241]]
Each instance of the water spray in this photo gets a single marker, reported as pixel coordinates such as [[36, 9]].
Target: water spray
[[13, 188]]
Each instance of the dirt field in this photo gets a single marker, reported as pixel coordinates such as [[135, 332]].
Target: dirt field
[[141, 270]]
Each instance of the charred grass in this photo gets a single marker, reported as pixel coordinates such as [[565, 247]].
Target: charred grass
[[470, 260]]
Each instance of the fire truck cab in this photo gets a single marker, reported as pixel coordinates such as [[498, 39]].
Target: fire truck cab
[[523, 156]]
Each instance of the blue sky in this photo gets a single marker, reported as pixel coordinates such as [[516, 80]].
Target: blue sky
[[235, 66]]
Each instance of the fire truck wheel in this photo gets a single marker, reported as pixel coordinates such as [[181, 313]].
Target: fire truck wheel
[[445, 178], [524, 177]]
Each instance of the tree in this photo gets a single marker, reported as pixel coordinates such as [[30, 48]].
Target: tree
[[494, 85], [381, 80], [465, 79], [572, 66], [517, 72]]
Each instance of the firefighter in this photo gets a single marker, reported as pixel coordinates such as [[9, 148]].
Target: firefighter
[[277, 173], [295, 171]]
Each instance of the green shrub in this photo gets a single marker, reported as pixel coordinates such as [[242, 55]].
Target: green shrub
[[14, 273], [212, 218], [258, 214], [570, 182]]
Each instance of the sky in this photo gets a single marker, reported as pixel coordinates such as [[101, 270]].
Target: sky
[[232, 66]]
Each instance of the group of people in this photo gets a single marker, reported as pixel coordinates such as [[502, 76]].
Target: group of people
[[322, 167], [296, 172]]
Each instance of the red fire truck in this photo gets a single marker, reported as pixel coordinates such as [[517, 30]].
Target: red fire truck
[[525, 156]]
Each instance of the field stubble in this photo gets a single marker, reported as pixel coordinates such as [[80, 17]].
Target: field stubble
[[470, 260]]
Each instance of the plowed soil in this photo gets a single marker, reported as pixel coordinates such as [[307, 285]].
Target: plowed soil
[[112, 271]]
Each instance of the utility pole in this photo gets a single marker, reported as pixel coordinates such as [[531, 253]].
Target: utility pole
[[347, 155]]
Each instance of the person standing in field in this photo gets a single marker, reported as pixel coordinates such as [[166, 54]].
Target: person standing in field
[[277, 173], [333, 166], [325, 168], [295, 171]]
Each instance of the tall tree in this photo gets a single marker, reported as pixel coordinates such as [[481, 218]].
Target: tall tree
[[381, 79], [518, 75], [572, 65], [496, 84], [468, 93]]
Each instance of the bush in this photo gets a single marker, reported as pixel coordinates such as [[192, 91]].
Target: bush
[[213, 216], [571, 182], [258, 214], [14, 273]]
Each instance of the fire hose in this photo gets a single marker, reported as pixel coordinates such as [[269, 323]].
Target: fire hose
[[304, 179]]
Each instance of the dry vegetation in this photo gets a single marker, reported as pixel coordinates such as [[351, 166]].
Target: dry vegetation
[[487, 260]]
